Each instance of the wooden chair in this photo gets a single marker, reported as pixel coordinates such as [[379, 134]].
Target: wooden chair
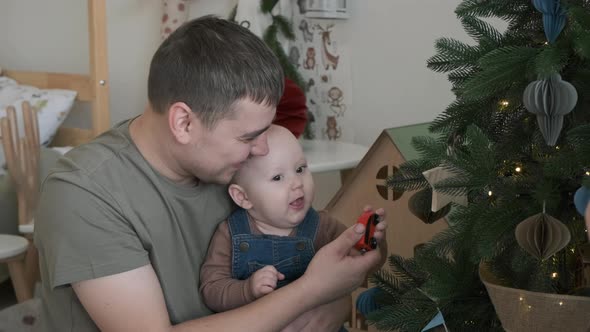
[[13, 250], [22, 158]]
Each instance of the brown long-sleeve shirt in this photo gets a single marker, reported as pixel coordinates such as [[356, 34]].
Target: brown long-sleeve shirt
[[219, 290]]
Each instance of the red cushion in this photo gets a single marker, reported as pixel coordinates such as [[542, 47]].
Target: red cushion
[[292, 109]]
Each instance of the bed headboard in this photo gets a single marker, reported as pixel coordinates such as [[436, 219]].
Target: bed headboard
[[93, 87]]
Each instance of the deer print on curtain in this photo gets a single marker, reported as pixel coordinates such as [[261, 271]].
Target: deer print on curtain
[[324, 62]]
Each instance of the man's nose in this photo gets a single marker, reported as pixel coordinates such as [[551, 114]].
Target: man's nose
[[260, 145]]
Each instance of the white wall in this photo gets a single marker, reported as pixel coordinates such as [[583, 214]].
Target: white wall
[[391, 40]]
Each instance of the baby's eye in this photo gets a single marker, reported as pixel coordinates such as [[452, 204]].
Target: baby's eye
[[301, 169], [277, 178]]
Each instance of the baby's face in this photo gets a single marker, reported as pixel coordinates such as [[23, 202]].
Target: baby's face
[[279, 185]]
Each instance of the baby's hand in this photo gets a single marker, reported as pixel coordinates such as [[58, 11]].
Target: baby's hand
[[381, 228], [264, 280], [380, 234]]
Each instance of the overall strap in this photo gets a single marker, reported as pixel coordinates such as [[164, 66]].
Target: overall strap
[[238, 222], [309, 227]]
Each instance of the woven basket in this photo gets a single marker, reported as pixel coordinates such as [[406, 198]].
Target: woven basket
[[521, 310]]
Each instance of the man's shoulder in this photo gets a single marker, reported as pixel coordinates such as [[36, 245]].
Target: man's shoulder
[[108, 149]]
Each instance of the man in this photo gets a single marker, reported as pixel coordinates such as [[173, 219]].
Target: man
[[124, 222]]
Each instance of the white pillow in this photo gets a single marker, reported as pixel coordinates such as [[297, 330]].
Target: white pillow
[[53, 106]]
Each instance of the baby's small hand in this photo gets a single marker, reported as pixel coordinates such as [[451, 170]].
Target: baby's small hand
[[380, 234], [264, 281], [381, 228]]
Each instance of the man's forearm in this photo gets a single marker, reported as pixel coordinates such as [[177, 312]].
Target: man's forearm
[[269, 313], [327, 317]]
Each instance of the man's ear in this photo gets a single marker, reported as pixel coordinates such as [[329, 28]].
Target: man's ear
[[238, 194], [181, 121]]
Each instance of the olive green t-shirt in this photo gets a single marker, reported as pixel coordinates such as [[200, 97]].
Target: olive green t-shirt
[[104, 210]]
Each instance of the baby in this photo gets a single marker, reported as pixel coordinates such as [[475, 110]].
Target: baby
[[273, 235]]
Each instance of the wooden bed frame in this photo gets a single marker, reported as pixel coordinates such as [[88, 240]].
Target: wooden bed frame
[[93, 87]]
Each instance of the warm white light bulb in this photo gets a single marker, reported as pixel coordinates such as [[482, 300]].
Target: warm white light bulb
[[518, 169], [490, 193], [554, 275]]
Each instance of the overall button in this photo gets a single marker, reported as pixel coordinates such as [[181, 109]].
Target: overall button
[[244, 246], [300, 245]]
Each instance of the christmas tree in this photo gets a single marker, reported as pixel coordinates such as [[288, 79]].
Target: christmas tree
[[511, 152]]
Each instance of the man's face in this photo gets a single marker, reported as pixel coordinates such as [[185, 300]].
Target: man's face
[[219, 152]]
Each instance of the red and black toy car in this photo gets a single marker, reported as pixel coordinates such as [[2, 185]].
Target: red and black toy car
[[368, 242]]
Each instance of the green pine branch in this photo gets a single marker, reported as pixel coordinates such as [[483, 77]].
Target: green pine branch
[[507, 10], [501, 69], [270, 37], [460, 114], [285, 26], [266, 6], [409, 177], [580, 15], [452, 55], [484, 33], [550, 60]]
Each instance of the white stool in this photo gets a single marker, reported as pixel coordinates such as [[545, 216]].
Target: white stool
[[12, 252]]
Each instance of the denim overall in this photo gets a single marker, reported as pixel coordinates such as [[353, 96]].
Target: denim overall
[[290, 255]]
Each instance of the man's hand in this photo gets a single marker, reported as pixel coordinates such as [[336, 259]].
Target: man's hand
[[264, 281], [379, 234], [333, 273]]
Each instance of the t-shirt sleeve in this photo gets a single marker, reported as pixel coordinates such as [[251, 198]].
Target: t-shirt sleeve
[[219, 290], [329, 228], [80, 232]]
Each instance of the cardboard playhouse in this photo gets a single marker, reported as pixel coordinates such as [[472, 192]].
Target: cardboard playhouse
[[366, 185]]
